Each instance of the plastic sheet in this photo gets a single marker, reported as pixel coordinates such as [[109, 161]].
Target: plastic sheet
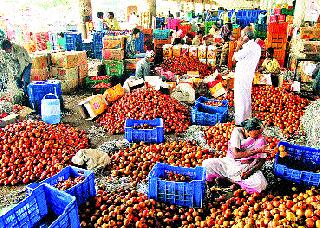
[[114, 145], [310, 122]]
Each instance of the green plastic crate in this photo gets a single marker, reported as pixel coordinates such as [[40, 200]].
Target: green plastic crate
[[114, 68], [90, 83]]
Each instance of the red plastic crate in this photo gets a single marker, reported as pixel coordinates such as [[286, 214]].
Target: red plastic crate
[[278, 28], [185, 29], [147, 31], [282, 18], [273, 19], [277, 11]]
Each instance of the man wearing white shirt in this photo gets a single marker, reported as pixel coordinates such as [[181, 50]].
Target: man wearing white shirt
[[247, 55]]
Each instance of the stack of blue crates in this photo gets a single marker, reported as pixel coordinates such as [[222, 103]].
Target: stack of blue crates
[[245, 17], [98, 44], [53, 39], [88, 48], [38, 89], [139, 43], [159, 21], [73, 41]]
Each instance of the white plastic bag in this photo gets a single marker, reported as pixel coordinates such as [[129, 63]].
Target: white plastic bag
[[184, 92], [295, 87], [132, 83], [93, 158]]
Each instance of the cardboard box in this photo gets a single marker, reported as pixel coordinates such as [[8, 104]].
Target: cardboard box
[[65, 59], [167, 50], [39, 61], [83, 71], [65, 74], [69, 85], [39, 75], [113, 42], [113, 54], [92, 106], [82, 57], [130, 64]]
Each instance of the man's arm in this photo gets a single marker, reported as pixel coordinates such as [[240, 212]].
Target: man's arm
[[241, 54]]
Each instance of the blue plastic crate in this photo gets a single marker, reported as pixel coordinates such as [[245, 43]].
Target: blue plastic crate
[[161, 34], [98, 37], [309, 156], [97, 54], [43, 200], [73, 41], [87, 46], [159, 21], [210, 117], [207, 108], [146, 135], [82, 191], [189, 194], [139, 43], [37, 89]]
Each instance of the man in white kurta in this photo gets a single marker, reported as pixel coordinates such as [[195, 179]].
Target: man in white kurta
[[247, 56]]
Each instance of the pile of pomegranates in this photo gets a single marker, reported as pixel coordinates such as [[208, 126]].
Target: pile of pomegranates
[[218, 136], [34, 150], [181, 65], [129, 208], [137, 161], [177, 177], [69, 183], [277, 107], [146, 104], [143, 126], [214, 103], [267, 210]]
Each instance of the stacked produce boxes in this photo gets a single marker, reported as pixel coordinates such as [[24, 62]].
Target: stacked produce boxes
[[83, 66], [65, 68], [39, 70], [113, 55], [277, 38]]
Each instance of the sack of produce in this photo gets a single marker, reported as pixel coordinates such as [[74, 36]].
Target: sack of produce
[[39, 75], [176, 50], [184, 92], [167, 50], [39, 61], [211, 52], [193, 51], [185, 50], [202, 52]]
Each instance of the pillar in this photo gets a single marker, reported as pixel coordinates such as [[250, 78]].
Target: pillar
[[152, 8], [85, 15]]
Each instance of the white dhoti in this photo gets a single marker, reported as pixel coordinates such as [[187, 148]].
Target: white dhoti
[[232, 169]]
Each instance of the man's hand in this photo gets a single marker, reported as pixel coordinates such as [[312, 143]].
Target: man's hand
[[239, 45]]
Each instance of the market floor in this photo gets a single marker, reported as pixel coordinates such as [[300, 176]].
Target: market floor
[[13, 194], [74, 118]]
